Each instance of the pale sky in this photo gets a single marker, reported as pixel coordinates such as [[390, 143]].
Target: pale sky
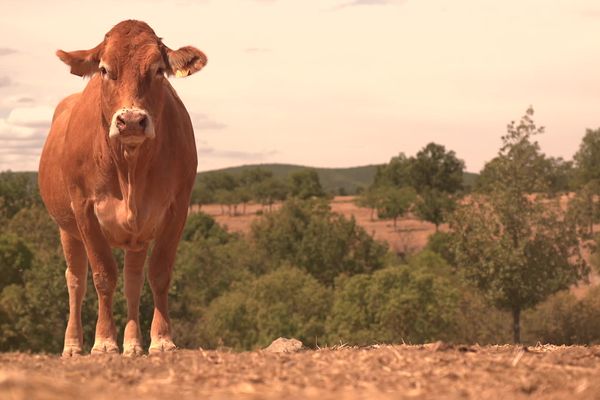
[[332, 83]]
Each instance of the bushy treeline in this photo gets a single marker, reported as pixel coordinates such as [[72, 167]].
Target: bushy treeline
[[254, 185], [301, 272]]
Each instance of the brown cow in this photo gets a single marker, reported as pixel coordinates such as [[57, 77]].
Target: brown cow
[[117, 170]]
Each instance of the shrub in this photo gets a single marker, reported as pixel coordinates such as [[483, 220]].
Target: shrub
[[286, 302]]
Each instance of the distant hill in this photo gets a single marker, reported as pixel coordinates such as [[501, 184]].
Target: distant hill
[[332, 179]]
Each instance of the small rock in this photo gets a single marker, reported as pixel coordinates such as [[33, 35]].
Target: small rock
[[283, 345], [437, 346]]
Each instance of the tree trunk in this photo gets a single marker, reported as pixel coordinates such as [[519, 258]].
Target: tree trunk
[[372, 212], [517, 325], [437, 228], [395, 220]]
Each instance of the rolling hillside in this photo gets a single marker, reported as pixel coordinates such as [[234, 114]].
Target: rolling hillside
[[332, 179]]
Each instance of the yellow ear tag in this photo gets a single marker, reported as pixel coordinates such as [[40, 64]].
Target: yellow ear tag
[[182, 73]]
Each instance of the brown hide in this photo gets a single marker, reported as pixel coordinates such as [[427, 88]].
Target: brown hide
[[117, 170]]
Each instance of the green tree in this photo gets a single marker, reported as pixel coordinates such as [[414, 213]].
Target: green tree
[[434, 206], [584, 209], [587, 158], [434, 168], [370, 199], [516, 249], [305, 184], [394, 202], [564, 319], [561, 175], [270, 191], [395, 173], [15, 259], [414, 303], [286, 302], [308, 235], [18, 190]]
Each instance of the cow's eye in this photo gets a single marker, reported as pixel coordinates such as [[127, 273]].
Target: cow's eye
[[103, 71], [160, 71]]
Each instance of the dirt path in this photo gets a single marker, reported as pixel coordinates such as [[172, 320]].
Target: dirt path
[[384, 372]]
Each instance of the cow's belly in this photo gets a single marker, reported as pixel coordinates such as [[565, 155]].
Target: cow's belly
[[126, 229]]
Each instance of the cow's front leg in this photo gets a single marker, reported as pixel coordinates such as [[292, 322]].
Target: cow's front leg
[[104, 273], [159, 275], [76, 277], [134, 281]]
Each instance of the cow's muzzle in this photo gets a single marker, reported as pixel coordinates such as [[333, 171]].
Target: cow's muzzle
[[131, 126]]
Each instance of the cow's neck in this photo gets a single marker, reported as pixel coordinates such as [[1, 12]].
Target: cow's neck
[[132, 166]]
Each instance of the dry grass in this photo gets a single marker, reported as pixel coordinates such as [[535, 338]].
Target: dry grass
[[409, 236], [436, 370]]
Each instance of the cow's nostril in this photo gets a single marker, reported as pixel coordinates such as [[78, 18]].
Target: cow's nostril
[[143, 122], [121, 124]]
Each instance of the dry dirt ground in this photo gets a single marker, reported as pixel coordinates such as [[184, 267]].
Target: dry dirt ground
[[379, 372]]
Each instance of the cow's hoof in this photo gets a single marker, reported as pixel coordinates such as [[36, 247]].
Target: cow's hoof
[[161, 346], [132, 349], [72, 351], [105, 347]]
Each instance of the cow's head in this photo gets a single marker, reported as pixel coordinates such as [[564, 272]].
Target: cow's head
[[132, 63]]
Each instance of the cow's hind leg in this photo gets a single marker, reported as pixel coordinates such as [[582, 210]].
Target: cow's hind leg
[[134, 282], [76, 276]]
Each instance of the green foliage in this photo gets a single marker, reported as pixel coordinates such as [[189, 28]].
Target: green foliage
[[394, 203], [395, 173], [286, 302], [15, 259], [305, 185], [587, 158], [18, 190], [561, 175], [434, 169], [434, 206], [564, 319], [269, 191], [515, 249], [308, 235], [202, 226], [412, 303], [441, 244], [517, 259], [584, 209]]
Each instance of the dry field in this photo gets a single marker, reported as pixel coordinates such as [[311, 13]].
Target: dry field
[[409, 236], [380, 372]]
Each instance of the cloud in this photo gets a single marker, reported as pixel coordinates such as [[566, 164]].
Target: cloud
[[211, 152], [32, 117], [203, 122], [5, 81], [257, 50], [590, 13], [6, 51], [13, 133], [22, 135], [25, 100], [355, 3]]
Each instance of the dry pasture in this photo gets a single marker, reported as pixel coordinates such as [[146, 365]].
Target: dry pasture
[[435, 370]]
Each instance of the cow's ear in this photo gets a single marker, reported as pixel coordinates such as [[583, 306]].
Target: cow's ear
[[82, 62], [185, 61]]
